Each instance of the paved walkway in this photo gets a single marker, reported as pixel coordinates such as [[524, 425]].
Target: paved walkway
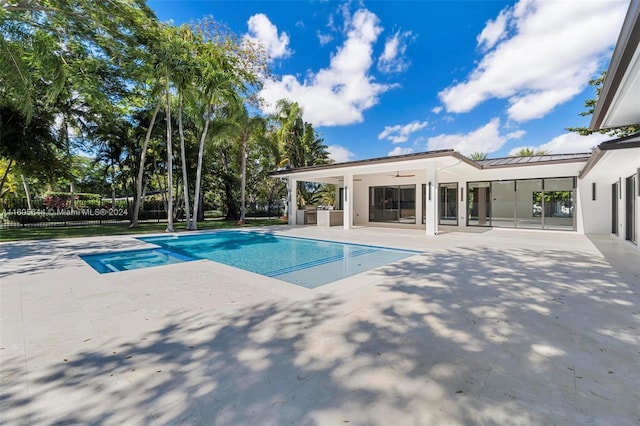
[[500, 327]]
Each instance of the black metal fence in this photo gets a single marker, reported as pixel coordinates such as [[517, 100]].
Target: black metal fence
[[42, 214]]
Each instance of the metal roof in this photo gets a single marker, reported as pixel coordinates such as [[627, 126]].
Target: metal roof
[[533, 159]]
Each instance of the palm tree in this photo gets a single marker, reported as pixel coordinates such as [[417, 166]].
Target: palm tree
[[113, 138], [477, 156], [245, 127], [184, 77], [218, 84], [143, 155], [289, 116], [529, 152]]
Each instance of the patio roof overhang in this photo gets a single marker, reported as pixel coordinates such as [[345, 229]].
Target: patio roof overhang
[[448, 161], [612, 155], [619, 101], [332, 173]]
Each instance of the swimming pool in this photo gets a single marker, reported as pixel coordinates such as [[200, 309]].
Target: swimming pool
[[132, 259], [305, 262]]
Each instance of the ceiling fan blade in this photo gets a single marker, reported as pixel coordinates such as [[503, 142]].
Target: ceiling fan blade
[[398, 175]]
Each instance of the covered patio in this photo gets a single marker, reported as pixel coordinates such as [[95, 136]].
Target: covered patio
[[436, 190]]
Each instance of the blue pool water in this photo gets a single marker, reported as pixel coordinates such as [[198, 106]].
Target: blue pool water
[[305, 262], [132, 259]]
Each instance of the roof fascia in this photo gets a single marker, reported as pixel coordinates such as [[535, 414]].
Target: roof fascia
[[626, 46], [539, 163], [376, 161], [593, 160]]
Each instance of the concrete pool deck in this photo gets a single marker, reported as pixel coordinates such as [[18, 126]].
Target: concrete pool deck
[[492, 327]]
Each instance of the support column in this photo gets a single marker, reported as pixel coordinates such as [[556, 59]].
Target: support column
[[292, 200], [347, 202], [432, 201]]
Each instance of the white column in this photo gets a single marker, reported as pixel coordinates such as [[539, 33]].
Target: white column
[[347, 202], [432, 201], [292, 203], [462, 204]]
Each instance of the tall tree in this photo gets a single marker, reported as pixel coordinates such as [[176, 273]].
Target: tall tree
[[143, 155], [230, 70], [529, 152], [244, 129], [590, 105], [300, 145], [476, 156]]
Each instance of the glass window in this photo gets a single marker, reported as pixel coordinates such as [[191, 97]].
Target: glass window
[[503, 203], [392, 204], [479, 203], [558, 203], [424, 203], [448, 204], [525, 203], [407, 204], [529, 203]]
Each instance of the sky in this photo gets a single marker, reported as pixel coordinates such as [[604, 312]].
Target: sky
[[379, 78]]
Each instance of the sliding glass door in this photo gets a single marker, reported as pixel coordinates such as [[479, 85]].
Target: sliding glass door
[[392, 204], [479, 204], [448, 204], [523, 203], [631, 207]]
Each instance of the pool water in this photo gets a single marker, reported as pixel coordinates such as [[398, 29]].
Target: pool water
[[305, 262]]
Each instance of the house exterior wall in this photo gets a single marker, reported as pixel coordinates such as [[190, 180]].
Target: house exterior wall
[[590, 215], [614, 167], [461, 178], [596, 213]]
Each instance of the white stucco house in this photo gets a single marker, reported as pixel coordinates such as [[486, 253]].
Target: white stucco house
[[596, 192]]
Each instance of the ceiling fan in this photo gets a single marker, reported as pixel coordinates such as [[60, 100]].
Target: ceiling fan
[[398, 175]]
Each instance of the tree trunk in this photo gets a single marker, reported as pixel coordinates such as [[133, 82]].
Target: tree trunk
[[185, 179], [169, 164], [113, 185], [6, 173], [64, 129], [72, 190], [25, 185], [196, 196], [138, 199], [243, 176]]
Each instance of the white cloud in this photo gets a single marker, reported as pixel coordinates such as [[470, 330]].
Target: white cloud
[[263, 32], [568, 143], [552, 51], [516, 135], [493, 31], [485, 139], [437, 110], [324, 38], [340, 154], [398, 150], [393, 59], [336, 95], [400, 133]]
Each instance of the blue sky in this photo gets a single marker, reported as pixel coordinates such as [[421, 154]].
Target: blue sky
[[380, 78]]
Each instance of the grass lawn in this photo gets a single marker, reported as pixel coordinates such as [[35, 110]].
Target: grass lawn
[[17, 234]]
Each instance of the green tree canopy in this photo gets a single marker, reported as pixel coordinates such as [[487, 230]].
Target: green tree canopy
[[590, 105]]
